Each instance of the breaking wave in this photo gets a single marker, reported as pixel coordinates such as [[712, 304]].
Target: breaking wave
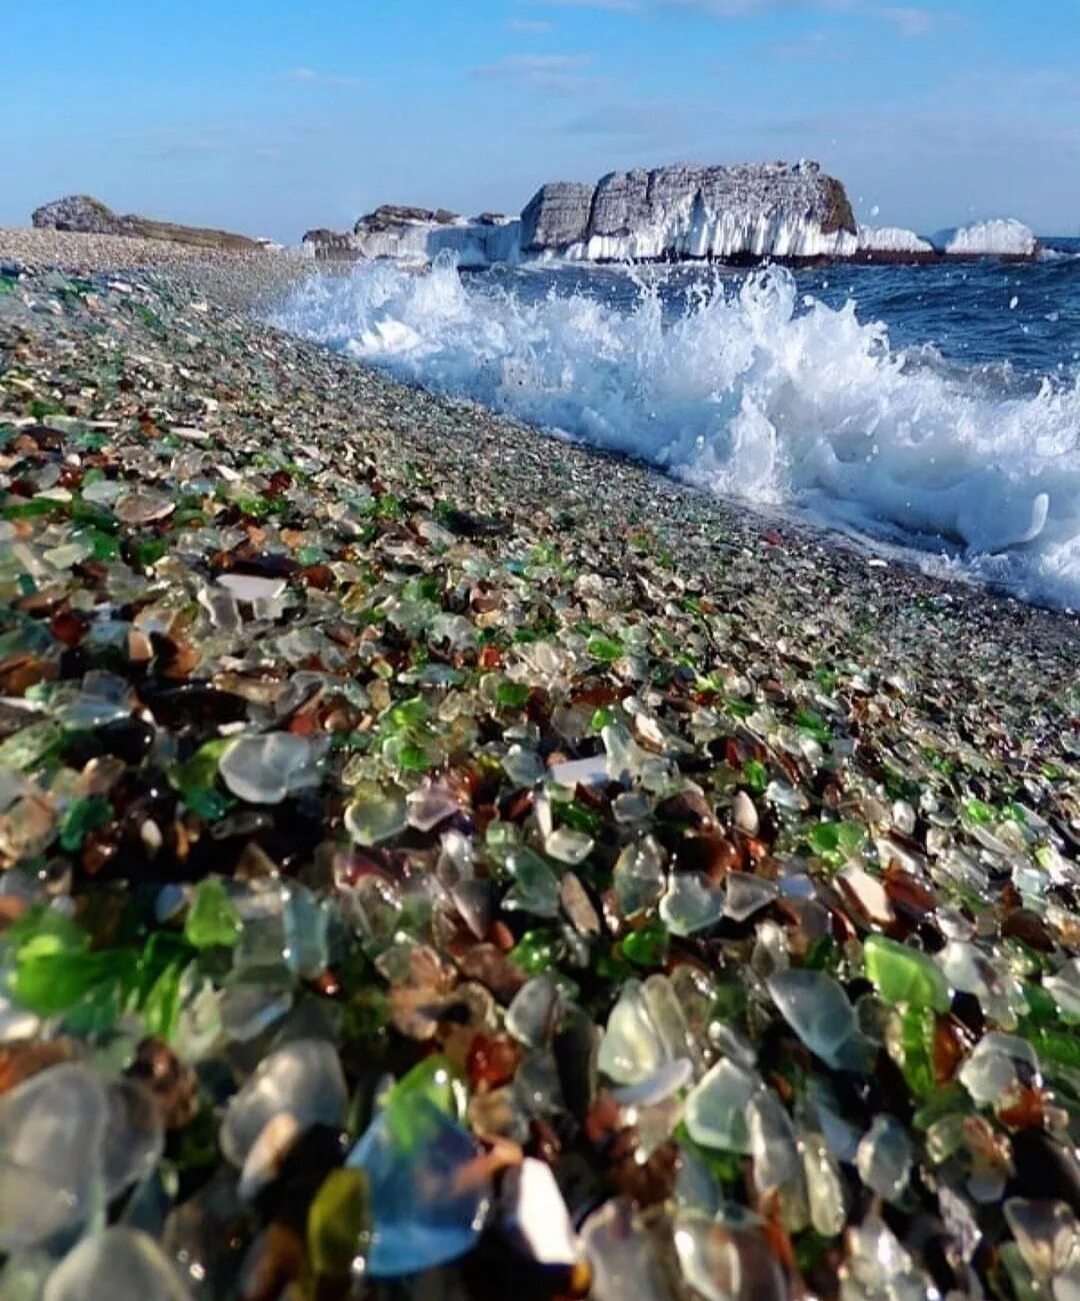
[[754, 395]]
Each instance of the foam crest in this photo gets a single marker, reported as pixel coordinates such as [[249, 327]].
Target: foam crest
[[753, 396]]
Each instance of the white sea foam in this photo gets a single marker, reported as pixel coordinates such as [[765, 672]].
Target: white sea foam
[[752, 398]]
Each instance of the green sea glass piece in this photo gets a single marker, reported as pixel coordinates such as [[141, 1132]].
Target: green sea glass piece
[[436, 1082], [916, 1048], [647, 947], [212, 920], [904, 975], [81, 818], [537, 951]]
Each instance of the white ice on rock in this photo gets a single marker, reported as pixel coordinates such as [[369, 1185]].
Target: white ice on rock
[[892, 239], [694, 232], [688, 231], [474, 244], [1001, 237]]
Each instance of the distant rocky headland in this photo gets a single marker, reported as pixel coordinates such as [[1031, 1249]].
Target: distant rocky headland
[[738, 215], [82, 214]]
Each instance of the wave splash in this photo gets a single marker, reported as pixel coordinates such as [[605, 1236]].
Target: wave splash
[[750, 397]]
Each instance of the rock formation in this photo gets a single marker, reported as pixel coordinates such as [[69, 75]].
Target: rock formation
[[684, 211], [391, 216], [557, 216], [740, 214], [330, 245], [746, 212], [420, 234], [87, 215]]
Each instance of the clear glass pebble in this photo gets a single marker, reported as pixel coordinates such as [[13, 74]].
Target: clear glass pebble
[[536, 1216], [306, 921], [303, 1078], [374, 817], [52, 1135], [533, 1015], [884, 1158], [995, 1067], [818, 1010], [746, 894], [120, 1264], [632, 1049], [824, 1186], [716, 1109], [690, 904], [622, 1257], [638, 877], [266, 769]]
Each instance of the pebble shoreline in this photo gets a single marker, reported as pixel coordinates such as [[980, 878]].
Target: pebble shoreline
[[357, 744]]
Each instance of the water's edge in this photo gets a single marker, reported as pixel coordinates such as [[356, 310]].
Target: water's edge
[[795, 409]]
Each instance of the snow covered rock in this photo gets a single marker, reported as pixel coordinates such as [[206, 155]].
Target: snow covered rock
[[420, 234], [1002, 237], [723, 212]]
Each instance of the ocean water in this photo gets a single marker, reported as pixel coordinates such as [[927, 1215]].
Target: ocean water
[[932, 409]]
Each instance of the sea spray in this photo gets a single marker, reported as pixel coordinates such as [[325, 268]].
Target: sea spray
[[751, 394]]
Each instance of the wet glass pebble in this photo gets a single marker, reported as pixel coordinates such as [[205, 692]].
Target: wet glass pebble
[[885, 1157], [429, 1193], [120, 1263], [52, 1133], [632, 1048], [303, 1078], [904, 975], [716, 1109], [818, 1010], [265, 769]]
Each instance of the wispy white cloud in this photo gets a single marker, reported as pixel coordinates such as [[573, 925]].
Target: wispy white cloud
[[623, 6], [528, 26], [207, 141], [639, 120], [546, 73], [713, 8], [311, 77], [818, 47], [909, 21]]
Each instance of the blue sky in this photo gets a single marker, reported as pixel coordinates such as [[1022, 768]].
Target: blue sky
[[274, 117]]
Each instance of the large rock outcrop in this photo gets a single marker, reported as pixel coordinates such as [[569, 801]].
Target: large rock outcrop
[[86, 215], [687, 211]]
